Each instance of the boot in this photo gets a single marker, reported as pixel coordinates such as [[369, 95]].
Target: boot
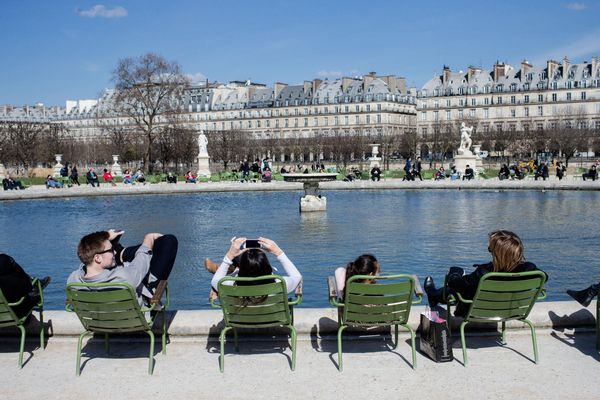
[[434, 295], [585, 296]]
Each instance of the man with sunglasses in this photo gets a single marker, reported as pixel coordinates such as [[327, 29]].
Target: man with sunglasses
[[104, 259]]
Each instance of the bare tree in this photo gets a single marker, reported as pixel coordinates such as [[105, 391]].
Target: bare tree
[[147, 89], [226, 145], [25, 140]]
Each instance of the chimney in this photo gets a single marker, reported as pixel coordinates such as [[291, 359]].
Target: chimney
[[277, 88], [391, 82], [525, 68], [499, 71], [566, 64], [307, 87], [471, 71], [446, 75], [551, 68], [315, 85], [346, 82], [367, 79], [401, 84]]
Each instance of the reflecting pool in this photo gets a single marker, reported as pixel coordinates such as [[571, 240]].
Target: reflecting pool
[[421, 232]]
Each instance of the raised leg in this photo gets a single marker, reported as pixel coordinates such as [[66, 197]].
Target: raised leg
[[339, 335]]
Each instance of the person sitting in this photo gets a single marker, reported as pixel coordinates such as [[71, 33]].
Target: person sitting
[[127, 178], [189, 177], [253, 262], [108, 178], [245, 169], [542, 171], [92, 178], [585, 296], [283, 170], [139, 177], [591, 174], [560, 170], [64, 171], [454, 174], [53, 183], [365, 264], [469, 173], [16, 285], [9, 183], [171, 178], [74, 177], [104, 259], [440, 174], [266, 175], [375, 173], [504, 172], [507, 253]]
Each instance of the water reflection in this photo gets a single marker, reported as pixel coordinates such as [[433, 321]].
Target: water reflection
[[422, 232]]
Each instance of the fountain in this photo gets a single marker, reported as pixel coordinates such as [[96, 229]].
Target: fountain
[[312, 200]]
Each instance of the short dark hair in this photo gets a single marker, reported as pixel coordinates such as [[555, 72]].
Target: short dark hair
[[90, 245]]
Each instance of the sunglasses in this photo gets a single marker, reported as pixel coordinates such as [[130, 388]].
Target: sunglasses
[[107, 251]]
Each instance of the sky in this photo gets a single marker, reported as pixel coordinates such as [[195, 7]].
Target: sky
[[52, 51]]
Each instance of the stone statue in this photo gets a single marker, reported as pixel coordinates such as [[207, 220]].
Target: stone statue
[[465, 140], [202, 143]]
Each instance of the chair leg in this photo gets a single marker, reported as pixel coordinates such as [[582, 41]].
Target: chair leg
[[449, 319], [294, 340], [597, 324], [21, 345], [164, 331], [151, 355], [412, 345], [395, 337], [503, 333], [462, 342], [42, 344], [533, 340], [236, 345], [79, 343], [222, 342], [106, 344], [339, 335]]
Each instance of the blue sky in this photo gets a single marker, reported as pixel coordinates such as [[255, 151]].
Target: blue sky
[[58, 50]]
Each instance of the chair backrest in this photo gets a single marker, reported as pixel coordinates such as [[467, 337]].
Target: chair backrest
[[106, 307], [503, 296], [7, 315], [378, 300], [255, 305]]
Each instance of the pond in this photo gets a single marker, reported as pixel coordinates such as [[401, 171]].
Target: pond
[[409, 231]]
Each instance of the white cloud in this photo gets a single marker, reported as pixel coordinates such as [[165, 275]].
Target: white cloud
[[197, 77], [576, 6], [586, 45], [91, 67], [101, 11]]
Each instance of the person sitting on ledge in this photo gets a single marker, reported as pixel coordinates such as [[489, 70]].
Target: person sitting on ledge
[[189, 177], [591, 174], [365, 264], [585, 296], [127, 178], [542, 171], [253, 262], [108, 177], [506, 249], [9, 183], [16, 285], [92, 178], [104, 259], [469, 173], [53, 183], [171, 178], [504, 172], [375, 173], [440, 174]]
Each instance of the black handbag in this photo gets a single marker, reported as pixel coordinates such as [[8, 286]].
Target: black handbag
[[435, 339]]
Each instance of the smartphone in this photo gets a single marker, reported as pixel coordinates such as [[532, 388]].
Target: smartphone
[[252, 244]]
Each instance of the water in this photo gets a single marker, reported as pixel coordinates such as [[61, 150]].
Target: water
[[421, 232]]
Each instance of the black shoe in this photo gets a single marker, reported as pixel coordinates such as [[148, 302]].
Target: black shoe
[[431, 292], [45, 281], [583, 297]]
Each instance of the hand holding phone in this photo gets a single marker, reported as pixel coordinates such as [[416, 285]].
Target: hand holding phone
[[252, 244]]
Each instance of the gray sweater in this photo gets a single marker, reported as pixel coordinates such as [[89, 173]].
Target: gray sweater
[[131, 272]]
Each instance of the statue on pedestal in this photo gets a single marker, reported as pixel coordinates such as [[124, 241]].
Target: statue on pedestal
[[465, 140], [203, 157], [202, 144]]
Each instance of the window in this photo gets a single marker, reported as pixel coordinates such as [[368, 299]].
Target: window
[[295, 122], [357, 120], [379, 107], [539, 126], [486, 113], [326, 121], [378, 118], [249, 124], [368, 107], [276, 123], [305, 121], [472, 113], [569, 96], [424, 132], [316, 121], [583, 96], [326, 111], [357, 108], [368, 119], [447, 115], [512, 127], [461, 102], [473, 101], [513, 99], [435, 116], [486, 101], [423, 116], [306, 111], [526, 127], [460, 114], [554, 97], [513, 112], [526, 99], [448, 104], [268, 123], [540, 111], [346, 120], [287, 123], [526, 111], [499, 100]]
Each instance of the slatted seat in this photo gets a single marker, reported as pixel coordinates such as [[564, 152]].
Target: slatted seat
[[9, 318], [261, 305], [113, 308], [385, 301], [502, 297]]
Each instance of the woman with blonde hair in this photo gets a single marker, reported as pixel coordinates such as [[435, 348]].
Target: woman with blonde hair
[[507, 253]]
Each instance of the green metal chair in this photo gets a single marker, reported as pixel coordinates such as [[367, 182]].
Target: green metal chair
[[8, 317], [261, 305], [113, 308], [384, 302], [502, 297]]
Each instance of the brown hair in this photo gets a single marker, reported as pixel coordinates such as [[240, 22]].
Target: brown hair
[[507, 250], [90, 245], [365, 264]]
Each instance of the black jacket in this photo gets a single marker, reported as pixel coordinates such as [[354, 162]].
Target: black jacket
[[15, 284]]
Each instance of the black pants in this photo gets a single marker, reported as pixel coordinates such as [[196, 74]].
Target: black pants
[[164, 252], [375, 178], [15, 284]]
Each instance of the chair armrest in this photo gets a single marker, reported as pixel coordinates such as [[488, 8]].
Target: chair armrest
[[213, 298], [418, 288], [298, 291], [542, 294], [17, 302], [158, 292], [460, 298], [334, 295], [298, 294]]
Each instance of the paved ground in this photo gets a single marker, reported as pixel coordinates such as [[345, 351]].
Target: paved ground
[[569, 368], [40, 191]]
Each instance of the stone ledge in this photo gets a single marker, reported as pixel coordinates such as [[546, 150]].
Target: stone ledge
[[323, 321]]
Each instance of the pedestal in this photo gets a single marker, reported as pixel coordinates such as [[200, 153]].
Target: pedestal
[[312, 200], [461, 162], [115, 169], [2, 171], [311, 203], [477, 151], [203, 166], [374, 161]]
